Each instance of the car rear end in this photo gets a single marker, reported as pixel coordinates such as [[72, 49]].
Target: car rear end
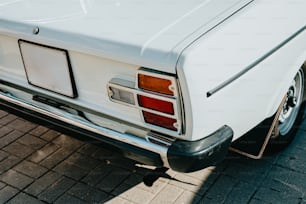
[[137, 110], [117, 89]]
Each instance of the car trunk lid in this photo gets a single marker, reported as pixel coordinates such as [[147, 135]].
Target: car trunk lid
[[144, 33]]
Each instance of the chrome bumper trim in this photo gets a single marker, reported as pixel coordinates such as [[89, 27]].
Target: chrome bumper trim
[[78, 122]]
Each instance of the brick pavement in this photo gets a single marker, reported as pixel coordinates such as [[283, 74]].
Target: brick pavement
[[39, 165]]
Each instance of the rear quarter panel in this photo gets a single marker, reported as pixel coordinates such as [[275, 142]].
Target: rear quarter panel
[[240, 42]]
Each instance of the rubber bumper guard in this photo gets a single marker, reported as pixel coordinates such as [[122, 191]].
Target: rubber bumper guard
[[188, 156]]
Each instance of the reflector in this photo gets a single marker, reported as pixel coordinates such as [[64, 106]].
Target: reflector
[[155, 84], [156, 104], [158, 120], [122, 96]]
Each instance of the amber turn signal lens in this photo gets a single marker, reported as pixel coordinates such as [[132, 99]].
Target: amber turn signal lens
[[161, 121], [156, 104], [155, 84]]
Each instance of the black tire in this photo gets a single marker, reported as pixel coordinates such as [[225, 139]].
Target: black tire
[[291, 115]]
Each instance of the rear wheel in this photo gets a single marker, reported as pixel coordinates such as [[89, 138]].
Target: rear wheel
[[291, 115]]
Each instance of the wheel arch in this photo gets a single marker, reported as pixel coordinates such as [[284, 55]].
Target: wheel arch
[[304, 71], [299, 63]]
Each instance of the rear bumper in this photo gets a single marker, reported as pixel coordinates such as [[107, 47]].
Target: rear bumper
[[188, 156], [183, 156]]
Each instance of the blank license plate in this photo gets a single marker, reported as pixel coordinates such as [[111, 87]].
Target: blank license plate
[[48, 68]]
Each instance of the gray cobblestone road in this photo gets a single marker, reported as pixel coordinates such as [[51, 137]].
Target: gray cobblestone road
[[40, 165]]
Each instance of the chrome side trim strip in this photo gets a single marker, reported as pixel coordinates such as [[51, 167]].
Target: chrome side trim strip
[[251, 66], [78, 122]]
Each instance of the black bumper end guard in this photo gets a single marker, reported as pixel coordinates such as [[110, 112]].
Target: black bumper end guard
[[186, 156]]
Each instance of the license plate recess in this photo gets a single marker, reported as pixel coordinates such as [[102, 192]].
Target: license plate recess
[[48, 68]]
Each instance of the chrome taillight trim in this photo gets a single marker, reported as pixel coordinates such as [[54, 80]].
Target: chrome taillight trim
[[132, 87]]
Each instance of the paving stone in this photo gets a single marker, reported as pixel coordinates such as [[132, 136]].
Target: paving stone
[[68, 142], [16, 179], [190, 184], [19, 150], [39, 130], [3, 155], [121, 162], [137, 180], [50, 135], [206, 200], [9, 138], [68, 199], [71, 170], [8, 163], [257, 201], [220, 189], [32, 141], [30, 169], [3, 113], [57, 189], [299, 140], [5, 130], [22, 198], [280, 185], [2, 185], [113, 179], [295, 161], [303, 124], [271, 195], [83, 161], [278, 172], [297, 181], [241, 193], [88, 193], [132, 194], [168, 195], [207, 176], [22, 125], [7, 119], [7, 193], [118, 200], [103, 154], [39, 185], [250, 171], [88, 149], [43, 153], [188, 197], [56, 158], [97, 174]]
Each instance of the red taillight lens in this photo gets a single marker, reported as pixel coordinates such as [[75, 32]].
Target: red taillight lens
[[168, 123], [155, 84], [156, 104]]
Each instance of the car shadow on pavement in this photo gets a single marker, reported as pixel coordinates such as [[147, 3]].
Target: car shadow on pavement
[[41, 165], [276, 178]]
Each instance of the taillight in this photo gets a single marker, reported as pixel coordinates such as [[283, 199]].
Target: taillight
[[156, 97], [159, 120], [156, 104], [161, 96], [155, 84]]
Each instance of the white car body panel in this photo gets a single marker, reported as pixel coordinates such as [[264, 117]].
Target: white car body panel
[[224, 52]]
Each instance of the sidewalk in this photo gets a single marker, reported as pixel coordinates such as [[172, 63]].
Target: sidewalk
[[40, 165]]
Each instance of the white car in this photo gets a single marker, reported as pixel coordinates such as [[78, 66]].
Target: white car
[[169, 83]]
